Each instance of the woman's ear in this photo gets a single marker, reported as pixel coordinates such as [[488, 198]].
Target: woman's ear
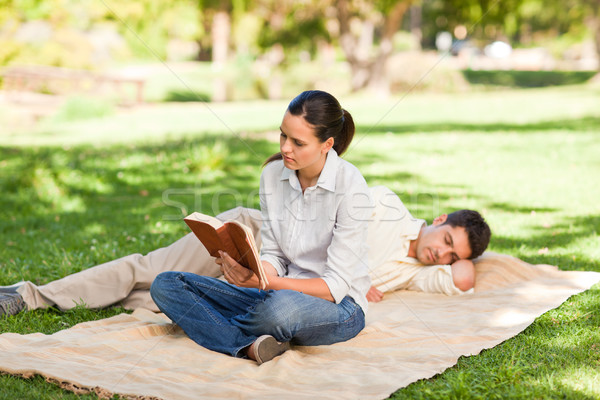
[[327, 145]]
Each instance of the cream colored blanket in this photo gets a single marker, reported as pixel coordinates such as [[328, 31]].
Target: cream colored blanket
[[409, 336]]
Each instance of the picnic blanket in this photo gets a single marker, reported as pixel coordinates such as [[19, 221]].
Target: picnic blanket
[[409, 336]]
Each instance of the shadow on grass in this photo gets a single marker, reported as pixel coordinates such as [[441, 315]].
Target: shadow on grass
[[82, 206], [186, 96], [513, 208], [562, 235], [583, 124], [64, 210], [130, 176], [528, 79]]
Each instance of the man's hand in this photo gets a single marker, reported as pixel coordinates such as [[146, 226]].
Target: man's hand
[[235, 273], [374, 295]]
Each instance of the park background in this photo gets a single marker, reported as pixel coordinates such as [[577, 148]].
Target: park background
[[119, 118]]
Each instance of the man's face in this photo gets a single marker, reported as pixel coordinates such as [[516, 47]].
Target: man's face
[[440, 244]]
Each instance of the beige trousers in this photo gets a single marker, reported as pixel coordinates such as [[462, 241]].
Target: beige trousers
[[127, 280]]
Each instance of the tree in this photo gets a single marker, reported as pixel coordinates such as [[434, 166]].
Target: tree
[[515, 20], [218, 18], [289, 30], [594, 24], [367, 59], [485, 19], [562, 17]]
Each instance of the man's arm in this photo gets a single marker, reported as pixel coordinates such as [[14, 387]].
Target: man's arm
[[463, 278], [374, 295], [463, 274]]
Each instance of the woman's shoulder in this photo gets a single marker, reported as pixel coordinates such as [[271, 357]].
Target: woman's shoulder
[[274, 168], [355, 196], [350, 175]]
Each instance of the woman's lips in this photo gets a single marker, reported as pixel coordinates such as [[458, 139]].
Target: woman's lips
[[288, 159]]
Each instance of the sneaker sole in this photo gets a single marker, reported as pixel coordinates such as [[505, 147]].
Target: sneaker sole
[[267, 348]]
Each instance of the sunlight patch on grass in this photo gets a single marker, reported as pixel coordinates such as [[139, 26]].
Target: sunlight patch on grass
[[47, 187], [77, 181], [94, 228], [582, 380]]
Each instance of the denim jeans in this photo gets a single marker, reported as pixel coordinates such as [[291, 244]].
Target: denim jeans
[[226, 318]]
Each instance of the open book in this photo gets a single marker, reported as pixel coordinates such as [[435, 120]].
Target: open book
[[232, 237]]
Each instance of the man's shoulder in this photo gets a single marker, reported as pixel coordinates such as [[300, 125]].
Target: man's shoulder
[[390, 210], [386, 202]]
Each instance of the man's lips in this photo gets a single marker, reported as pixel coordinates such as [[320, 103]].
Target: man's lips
[[431, 256]]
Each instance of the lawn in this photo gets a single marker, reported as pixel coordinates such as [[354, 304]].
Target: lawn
[[79, 193]]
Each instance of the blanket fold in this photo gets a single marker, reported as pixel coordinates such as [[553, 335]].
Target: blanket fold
[[409, 336]]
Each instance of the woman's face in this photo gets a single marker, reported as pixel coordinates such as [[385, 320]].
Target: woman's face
[[301, 149]]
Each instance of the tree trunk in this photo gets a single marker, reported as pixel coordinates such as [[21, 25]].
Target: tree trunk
[[349, 45], [204, 42], [355, 50], [369, 71], [378, 82], [594, 26], [220, 33], [597, 39], [416, 23]]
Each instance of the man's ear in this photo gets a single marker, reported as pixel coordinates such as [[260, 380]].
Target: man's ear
[[440, 220], [327, 145]]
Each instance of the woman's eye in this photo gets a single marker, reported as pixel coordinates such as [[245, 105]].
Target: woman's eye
[[299, 144]]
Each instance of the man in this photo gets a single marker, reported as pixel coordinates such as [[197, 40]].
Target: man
[[404, 253]]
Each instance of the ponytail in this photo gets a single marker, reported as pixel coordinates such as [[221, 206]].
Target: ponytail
[[329, 120], [342, 141]]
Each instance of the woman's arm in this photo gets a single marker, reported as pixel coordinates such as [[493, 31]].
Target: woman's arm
[[347, 258], [270, 251], [238, 275]]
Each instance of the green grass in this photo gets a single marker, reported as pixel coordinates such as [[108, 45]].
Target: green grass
[[82, 108], [528, 159], [527, 78]]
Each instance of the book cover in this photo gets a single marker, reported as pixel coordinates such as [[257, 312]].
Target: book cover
[[232, 237]]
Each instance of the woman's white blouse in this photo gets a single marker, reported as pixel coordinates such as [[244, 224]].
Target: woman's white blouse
[[321, 233]]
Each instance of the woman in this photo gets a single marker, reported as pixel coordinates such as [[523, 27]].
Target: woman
[[315, 208]]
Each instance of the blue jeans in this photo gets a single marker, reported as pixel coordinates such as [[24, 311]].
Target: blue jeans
[[226, 318]]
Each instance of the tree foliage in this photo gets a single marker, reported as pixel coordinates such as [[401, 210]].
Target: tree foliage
[[362, 29], [69, 26]]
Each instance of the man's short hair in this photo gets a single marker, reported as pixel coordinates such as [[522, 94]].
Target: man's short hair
[[478, 231]]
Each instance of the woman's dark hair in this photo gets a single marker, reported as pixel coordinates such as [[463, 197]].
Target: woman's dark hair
[[324, 113]]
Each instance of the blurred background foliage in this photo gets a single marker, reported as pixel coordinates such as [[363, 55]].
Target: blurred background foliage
[[254, 47]]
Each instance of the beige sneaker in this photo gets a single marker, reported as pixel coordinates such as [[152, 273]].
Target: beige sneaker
[[266, 348]]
